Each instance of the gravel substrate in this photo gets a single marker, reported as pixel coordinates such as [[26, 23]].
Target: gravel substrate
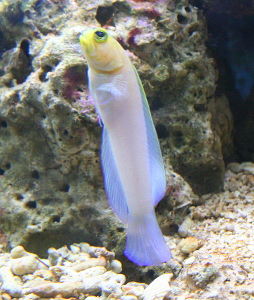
[[213, 257]]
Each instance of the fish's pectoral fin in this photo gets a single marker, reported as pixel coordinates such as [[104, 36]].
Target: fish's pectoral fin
[[113, 90], [113, 185]]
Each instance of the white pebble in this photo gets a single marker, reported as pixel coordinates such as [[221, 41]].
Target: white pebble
[[134, 289], [158, 288], [184, 228], [110, 287], [234, 167], [247, 166], [9, 284], [24, 265], [31, 297], [188, 245], [75, 249], [18, 252], [93, 271], [84, 247], [129, 297], [54, 256], [189, 261], [116, 266]]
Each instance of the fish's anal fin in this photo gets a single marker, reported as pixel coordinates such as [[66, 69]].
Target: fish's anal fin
[[113, 186]]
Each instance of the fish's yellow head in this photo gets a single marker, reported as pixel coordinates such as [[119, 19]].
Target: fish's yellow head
[[103, 53]]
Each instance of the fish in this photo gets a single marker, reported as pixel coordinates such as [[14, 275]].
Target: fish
[[132, 163]]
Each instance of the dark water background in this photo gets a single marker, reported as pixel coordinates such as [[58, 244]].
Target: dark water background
[[230, 26]]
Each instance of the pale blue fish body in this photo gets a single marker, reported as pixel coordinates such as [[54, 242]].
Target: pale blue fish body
[[131, 158]]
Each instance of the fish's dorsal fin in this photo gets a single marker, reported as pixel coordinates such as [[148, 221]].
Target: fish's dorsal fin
[[112, 181], [157, 170]]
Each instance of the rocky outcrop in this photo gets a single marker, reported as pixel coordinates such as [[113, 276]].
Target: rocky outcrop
[[51, 187]]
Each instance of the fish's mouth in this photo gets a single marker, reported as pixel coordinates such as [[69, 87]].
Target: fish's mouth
[[83, 41], [86, 42]]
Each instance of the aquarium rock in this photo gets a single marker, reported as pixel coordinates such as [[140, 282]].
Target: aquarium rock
[[49, 169], [51, 188]]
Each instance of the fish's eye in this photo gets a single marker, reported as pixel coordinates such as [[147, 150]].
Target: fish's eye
[[100, 36]]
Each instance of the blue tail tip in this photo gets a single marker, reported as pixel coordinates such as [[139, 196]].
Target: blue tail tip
[[144, 262]]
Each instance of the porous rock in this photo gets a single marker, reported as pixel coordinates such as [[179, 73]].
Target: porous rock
[[51, 184]]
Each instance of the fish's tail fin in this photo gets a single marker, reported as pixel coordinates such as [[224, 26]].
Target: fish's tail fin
[[145, 244]]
